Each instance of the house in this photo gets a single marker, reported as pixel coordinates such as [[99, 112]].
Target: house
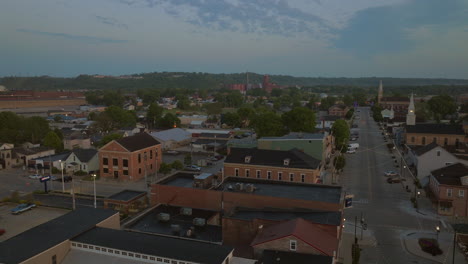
[[338, 110], [24, 155], [76, 140], [442, 134], [129, 131], [449, 186], [6, 155], [317, 145], [130, 158], [277, 165], [299, 236], [173, 138], [326, 121], [211, 141], [430, 157], [87, 160]]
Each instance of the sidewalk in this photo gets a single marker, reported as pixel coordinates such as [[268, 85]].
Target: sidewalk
[[445, 239]]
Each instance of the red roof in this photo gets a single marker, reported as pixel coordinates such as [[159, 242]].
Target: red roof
[[321, 237]]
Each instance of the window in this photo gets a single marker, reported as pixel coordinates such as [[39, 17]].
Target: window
[[286, 162], [97, 248], [302, 177], [434, 140], [461, 193], [291, 176], [151, 166], [159, 259], [280, 176], [445, 141], [74, 244], [151, 153], [124, 253], [174, 262], [438, 153], [54, 259], [139, 158], [125, 172], [103, 250], [137, 256], [130, 254], [105, 170], [269, 175], [424, 140], [91, 247], [105, 161], [247, 173], [117, 252], [152, 258], [449, 192], [412, 139], [258, 174], [292, 245], [448, 163], [85, 246], [110, 251], [247, 159], [79, 245], [139, 171], [144, 257], [236, 171], [125, 162], [166, 261]]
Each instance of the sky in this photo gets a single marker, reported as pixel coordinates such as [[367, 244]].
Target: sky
[[309, 38]]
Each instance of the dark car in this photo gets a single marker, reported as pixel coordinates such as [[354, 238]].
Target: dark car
[[65, 178], [393, 180]]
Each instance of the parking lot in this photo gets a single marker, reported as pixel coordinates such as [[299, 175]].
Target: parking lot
[[15, 224]]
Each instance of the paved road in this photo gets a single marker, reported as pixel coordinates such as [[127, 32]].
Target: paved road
[[386, 207]]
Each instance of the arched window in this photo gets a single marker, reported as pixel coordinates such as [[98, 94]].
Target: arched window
[[457, 141], [434, 140], [412, 139], [424, 140], [445, 141]]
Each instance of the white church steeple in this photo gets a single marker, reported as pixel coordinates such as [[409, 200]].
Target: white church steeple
[[411, 116]]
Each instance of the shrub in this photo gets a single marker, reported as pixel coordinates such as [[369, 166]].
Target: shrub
[[55, 170], [6, 199], [80, 173], [430, 246]]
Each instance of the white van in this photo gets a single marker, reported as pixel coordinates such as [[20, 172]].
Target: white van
[[353, 146]]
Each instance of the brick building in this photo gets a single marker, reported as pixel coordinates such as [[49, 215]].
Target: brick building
[[277, 165], [399, 105], [130, 158], [449, 185], [338, 110], [442, 134]]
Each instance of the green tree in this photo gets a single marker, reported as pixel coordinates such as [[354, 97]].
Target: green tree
[[113, 98], [339, 162], [350, 113], [275, 92], [59, 133], [231, 119], [441, 105], [188, 159], [183, 102], [153, 114], [213, 108], [377, 113], [169, 121], [36, 128], [300, 119], [108, 138], [422, 111], [268, 124], [53, 140], [327, 102], [340, 130], [177, 165], [347, 100], [360, 96], [165, 168], [245, 114]]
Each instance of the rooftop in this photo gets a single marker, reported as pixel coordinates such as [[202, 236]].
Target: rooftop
[[150, 224], [424, 149], [176, 134], [40, 238], [435, 129], [296, 135], [85, 155], [273, 158], [272, 257], [314, 216], [138, 141], [31, 151], [450, 175], [163, 246], [126, 195], [290, 190], [181, 179]]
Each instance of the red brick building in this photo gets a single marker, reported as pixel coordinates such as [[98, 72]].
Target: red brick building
[[338, 110], [277, 165], [130, 158], [449, 185]]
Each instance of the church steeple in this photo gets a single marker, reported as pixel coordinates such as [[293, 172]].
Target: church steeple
[[380, 94], [411, 116]]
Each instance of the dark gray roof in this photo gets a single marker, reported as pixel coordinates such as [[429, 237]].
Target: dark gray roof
[[138, 141], [435, 129], [40, 238], [450, 175], [85, 155], [126, 195], [31, 151], [273, 158], [290, 190], [272, 256], [163, 246], [315, 216], [395, 99], [296, 135], [422, 150], [218, 136]]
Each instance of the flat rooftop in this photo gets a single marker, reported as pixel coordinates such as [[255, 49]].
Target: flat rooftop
[[150, 224], [181, 179], [318, 217], [126, 195], [290, 190], [162, 246], [40, 238]]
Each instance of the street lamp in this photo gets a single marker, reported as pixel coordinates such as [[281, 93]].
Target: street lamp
[[437, 233], [63, 182], [94, 180]]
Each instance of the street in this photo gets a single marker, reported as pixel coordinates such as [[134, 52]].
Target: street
[[385, 207]]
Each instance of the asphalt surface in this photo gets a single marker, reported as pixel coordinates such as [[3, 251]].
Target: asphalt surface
[[386, 208]]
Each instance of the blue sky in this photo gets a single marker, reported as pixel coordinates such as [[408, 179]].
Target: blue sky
[[328, 38]]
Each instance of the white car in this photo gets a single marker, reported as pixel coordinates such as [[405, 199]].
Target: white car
[[390, 173], [351, 151], [35, 176]]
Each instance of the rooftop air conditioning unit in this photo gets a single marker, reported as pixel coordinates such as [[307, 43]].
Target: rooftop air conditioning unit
[[185, 211], [249, 188], [239, 186], [175, 229], [199, 221], [163, 217]]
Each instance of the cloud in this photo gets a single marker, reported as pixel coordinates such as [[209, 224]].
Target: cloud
[[111, 22], [81, 38]]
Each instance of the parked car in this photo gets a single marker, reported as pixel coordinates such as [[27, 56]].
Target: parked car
[[35, 176], [65, 178], [351, 151], [238, 136], [172, 152], [390, 173], [393, 180], [219, 157], [353, 139], [353, 146], [22, 207], [192, 168]]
